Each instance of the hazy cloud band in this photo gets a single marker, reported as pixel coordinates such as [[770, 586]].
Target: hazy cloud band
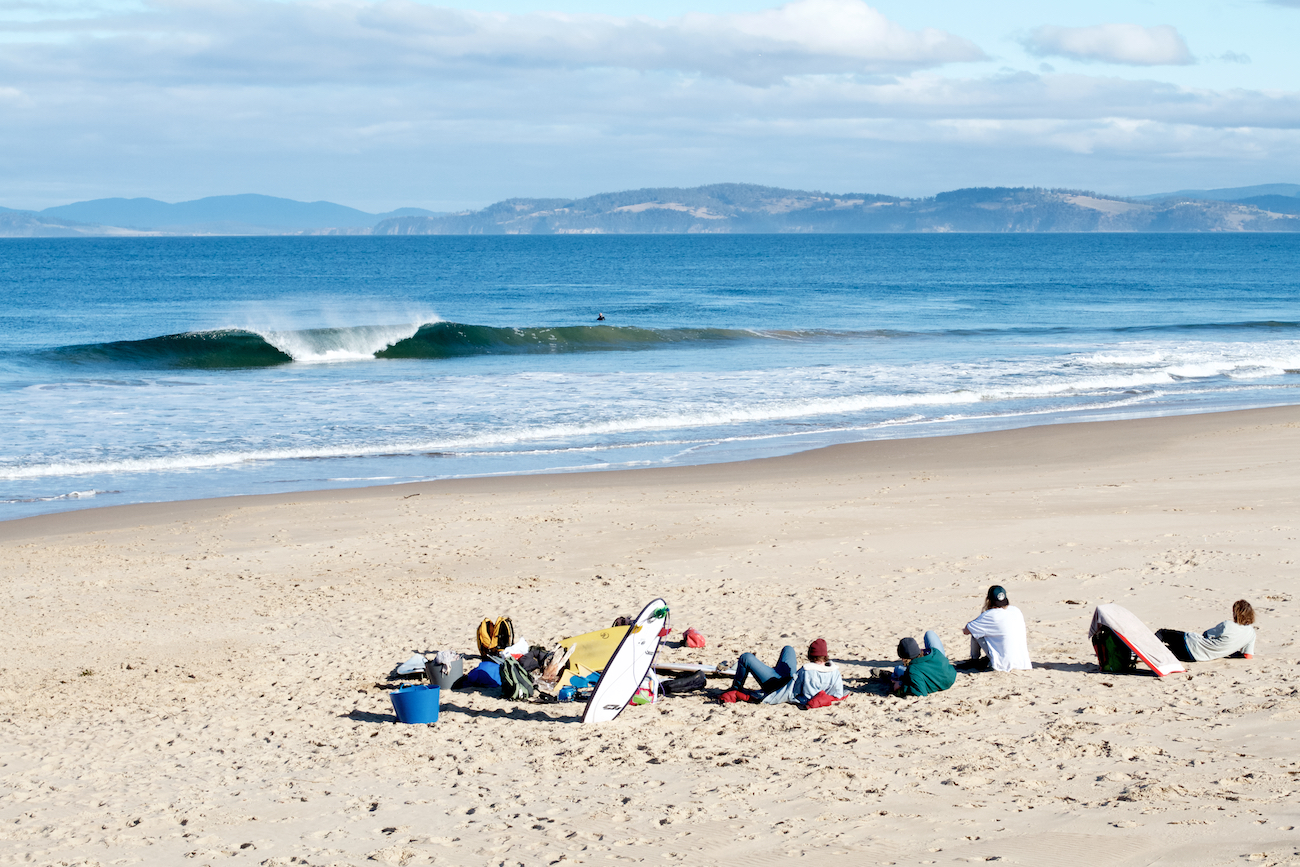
[[339, 99], [348, 40], [1128, 44]]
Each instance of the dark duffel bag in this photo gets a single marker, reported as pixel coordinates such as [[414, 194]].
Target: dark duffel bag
[[685, 683]]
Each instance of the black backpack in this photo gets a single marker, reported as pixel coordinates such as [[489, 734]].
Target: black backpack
[[685, 683], [1113, 655], [516, 684]]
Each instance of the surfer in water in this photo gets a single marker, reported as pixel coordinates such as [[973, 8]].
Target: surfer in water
[[600, 317], [781, 683]]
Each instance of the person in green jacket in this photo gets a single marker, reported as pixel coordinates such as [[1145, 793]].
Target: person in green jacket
[[923, 671]]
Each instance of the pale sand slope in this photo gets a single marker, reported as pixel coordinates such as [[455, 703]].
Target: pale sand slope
[[233, 713]]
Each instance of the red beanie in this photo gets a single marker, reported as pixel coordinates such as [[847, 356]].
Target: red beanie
[[818, 648]]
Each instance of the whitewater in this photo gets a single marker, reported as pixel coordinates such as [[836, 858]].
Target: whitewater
[[159, 369]]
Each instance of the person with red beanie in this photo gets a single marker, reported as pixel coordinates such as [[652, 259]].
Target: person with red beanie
[[782, 683]]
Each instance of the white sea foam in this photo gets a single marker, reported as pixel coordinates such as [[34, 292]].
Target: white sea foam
[[706, 418], [71, 495], [357, 343], [1204, 359]]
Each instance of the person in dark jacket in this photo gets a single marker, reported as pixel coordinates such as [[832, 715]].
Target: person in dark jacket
[[923, 671]]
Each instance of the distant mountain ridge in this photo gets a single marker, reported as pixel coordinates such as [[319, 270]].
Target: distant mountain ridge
[[748, 208], [247, 214], [1226, 194], [711, 209]]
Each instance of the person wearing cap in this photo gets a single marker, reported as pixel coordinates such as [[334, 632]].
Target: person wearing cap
[[1000, 633], [923, 671], [782, 683]]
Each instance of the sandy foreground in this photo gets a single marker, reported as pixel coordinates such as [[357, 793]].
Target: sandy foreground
[[203, 682]]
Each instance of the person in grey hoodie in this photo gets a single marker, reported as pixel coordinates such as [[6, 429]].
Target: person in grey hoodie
[[781, 683]]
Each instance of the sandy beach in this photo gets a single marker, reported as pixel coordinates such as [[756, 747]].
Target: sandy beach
[[205, 682]]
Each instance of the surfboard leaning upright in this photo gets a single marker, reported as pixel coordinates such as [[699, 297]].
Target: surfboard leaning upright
[[628, 666]]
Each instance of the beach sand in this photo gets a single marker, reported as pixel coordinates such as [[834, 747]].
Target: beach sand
[[204, 682]]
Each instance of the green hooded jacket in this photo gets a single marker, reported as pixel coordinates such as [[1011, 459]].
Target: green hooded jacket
[[929, 673]]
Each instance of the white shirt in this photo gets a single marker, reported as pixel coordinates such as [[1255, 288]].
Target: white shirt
[[1001, 632]]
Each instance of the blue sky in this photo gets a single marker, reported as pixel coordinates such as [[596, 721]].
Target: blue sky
[[386, 103]]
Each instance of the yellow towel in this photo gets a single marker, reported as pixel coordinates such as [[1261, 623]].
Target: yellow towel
[[593, 650]]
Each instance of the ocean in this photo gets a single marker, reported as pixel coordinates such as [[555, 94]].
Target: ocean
[[142, 370]]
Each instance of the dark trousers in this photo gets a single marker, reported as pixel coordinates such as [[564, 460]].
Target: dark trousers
[[1176, 641]]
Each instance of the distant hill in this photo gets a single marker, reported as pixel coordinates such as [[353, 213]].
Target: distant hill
[[1276, 204], [222, 215], [25, 224], [727, 208], [717, 208], [1226, 194]]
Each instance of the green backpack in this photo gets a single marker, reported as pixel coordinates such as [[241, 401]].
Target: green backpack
[[516, 684], [1113, 655]]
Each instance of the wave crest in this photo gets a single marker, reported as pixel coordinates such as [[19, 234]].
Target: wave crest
[[359, 343], [226, 348], [244, 348]]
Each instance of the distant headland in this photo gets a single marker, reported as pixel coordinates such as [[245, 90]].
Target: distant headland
[[712, 209]]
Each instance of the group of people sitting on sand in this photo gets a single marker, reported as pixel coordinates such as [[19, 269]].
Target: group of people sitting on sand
[[998, 642]]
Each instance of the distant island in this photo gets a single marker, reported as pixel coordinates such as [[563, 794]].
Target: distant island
[[216, 215], [712, 209]]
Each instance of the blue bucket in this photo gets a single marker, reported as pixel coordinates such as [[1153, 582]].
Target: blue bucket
[[416, 704]]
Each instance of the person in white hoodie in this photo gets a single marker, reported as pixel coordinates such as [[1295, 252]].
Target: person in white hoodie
[[781, 683], [998, 633]]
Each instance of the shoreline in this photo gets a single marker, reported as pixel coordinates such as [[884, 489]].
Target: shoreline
[[205, 680], [97, 518]]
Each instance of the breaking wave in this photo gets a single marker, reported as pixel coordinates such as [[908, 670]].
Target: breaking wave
[[234, 348], [244, 348]]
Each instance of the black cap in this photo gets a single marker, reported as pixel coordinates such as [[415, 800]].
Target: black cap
[[908, 649], [997, 594]]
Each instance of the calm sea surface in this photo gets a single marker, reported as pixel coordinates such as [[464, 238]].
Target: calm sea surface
[[159, 369]]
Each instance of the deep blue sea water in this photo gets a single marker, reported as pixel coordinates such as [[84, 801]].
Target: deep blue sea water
[[139, 370]]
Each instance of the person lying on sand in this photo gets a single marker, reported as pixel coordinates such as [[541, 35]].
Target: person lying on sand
[[781, 683], [999, 633], [1227, 639], [922, 671]]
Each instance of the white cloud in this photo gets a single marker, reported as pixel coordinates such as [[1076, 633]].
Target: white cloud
[[389, 103], [354, 40], [1128, 44]]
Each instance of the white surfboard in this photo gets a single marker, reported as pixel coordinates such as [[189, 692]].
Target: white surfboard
[[628, 666]]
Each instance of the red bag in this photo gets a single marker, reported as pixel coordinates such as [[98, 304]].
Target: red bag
[[734, 695], [694, 639], [821, 699]]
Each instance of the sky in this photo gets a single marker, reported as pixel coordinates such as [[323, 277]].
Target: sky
[[381, 104]]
